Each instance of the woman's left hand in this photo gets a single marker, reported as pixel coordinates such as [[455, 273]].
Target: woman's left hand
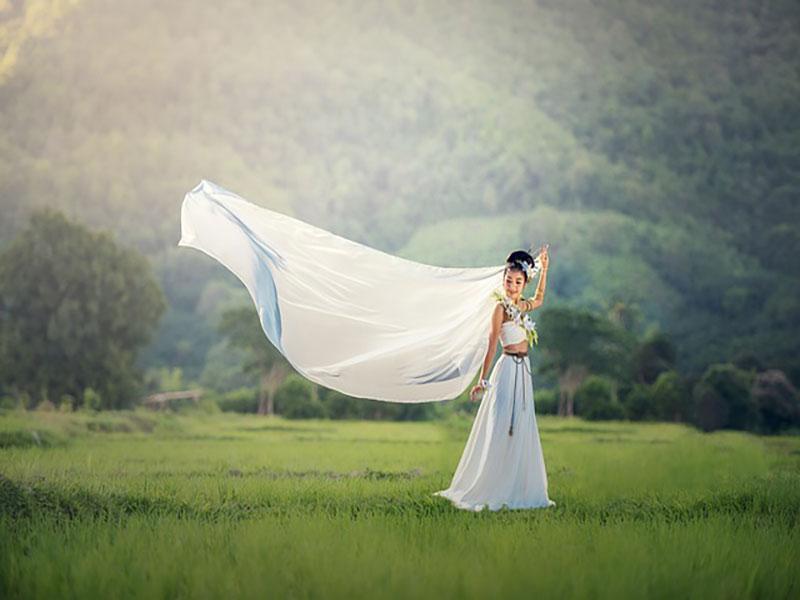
[[544, 257]]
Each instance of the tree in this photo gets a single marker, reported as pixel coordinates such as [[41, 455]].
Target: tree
[[627, 315], [74, 310], [596, 399], [777, 400], [297, 399], [656, 354], [580, 343], [671, 399], [638, 403], [242, 328], [722, 399]]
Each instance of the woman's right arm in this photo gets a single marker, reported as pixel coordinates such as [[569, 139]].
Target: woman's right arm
[[494, 335]]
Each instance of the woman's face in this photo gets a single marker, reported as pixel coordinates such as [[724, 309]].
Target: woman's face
[[514, 283]]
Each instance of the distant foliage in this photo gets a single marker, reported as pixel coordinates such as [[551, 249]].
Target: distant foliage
[[295, 399], [656, 141], [545, 401], [638, 403], [75, 308], [243, 400], [341, 406], [722, 399], [580, 343], [596, 399], [777, 401], [653, 356], [671, 398]]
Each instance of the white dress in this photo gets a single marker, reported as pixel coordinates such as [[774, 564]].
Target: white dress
[[502, 463]]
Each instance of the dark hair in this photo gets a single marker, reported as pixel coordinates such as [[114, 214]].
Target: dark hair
[[515, 260]]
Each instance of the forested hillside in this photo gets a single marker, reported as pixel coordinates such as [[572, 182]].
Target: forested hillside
[[653, 144]]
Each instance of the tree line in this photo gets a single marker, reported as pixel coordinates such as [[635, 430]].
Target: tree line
[[76, 308]]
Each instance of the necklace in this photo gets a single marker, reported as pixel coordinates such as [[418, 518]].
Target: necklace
[[513, 311]]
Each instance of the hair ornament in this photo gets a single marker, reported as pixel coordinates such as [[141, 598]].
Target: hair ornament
[[530, 269]]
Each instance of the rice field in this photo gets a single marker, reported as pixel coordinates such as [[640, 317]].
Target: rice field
[[144, 505]]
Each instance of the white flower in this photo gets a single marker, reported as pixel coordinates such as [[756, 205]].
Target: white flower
[[530, 325]]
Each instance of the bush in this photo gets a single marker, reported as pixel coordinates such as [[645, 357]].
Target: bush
[[414, 411], [777, 401], [296, 399], [638, 403], [46, 406], [336, 405], [671, 399], [341, 406], [596, 399], [28, 438], [10, 403], [722, 399], [655, 355], [545, 401], [242, 400], [67, 404], [91, 399], [208, 406], [461, 404]]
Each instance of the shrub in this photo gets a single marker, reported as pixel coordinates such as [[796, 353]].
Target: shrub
[[415, 411], [67, 404], [596, 399], [671, 399], [722, 399], [242, 400], [545, 401], [638, 403], [10, 403], [28, 438], [655, 355], [295, 399], [777, 401], [91, 399], [208, 406], [109, 426], [341, 406], [461, 404]]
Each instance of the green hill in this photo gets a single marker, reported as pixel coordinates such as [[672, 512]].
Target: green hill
[[653, 144]]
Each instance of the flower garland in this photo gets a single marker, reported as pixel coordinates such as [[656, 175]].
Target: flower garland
[[513, 311]]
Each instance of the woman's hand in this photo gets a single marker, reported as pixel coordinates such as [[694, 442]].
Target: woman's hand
[[475, 389], [544, 257]]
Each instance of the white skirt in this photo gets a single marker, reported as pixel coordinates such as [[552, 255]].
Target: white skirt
[[499, 469]]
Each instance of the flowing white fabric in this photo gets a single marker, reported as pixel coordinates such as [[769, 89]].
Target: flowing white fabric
[[347, 316], [500, 469]]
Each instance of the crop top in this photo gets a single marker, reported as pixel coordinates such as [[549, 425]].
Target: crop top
[[511, 333]]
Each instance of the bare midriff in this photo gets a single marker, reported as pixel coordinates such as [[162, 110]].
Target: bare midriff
[[518, 347]]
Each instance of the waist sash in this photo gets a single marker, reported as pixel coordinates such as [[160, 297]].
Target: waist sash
[[519, 361], [515, 353]]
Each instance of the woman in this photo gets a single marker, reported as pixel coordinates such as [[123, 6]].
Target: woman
[[502, 463]]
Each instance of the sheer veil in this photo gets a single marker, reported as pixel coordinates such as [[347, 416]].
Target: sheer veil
[[347, 316]]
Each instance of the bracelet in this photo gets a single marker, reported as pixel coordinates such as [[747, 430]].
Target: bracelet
[[484, 383]]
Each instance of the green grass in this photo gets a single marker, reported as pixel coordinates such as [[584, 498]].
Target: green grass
[[143, 505]]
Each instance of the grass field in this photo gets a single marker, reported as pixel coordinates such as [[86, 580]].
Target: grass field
[[211, 506]]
